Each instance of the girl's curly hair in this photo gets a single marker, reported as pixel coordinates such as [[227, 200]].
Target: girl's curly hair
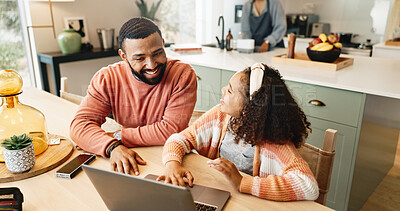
[[272, 115]]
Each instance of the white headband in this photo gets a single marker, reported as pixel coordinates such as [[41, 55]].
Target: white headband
[[256, 77]]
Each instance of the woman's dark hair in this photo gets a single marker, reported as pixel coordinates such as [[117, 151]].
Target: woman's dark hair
[[136, 28], [272, 115]]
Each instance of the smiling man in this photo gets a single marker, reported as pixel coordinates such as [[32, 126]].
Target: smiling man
[[150, 95]]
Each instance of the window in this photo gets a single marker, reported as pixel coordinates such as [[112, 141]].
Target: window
[[12, 49], [178, 21]]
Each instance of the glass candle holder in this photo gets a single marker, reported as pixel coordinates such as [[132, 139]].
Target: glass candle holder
[[15, 117]]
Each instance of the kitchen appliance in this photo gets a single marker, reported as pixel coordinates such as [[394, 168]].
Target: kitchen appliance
[[318, 28], [245, 45], [353, 48], [346, 39], [300, 24]]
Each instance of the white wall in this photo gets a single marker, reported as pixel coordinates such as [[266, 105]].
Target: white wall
[[347, 16], [207, 13], [344, 16], [98, 14], [229, 16]]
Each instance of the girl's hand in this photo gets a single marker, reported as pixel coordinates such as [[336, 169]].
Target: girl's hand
[[174, 173], [228, 169]]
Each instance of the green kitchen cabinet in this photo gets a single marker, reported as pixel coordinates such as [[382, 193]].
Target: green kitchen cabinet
[[225, 77], [208, 79], [340, 110], [340, 106], [208, 87], [325, 108], [342, 166], [206, 100]]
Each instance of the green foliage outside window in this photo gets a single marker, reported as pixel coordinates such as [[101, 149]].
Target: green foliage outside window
[[12, 53], [148, 13]]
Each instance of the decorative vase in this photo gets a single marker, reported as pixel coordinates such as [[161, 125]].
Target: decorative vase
[[20, 160], [69, 41], [15, 117]]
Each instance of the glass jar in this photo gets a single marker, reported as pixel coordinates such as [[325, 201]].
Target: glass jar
[[15, 117]]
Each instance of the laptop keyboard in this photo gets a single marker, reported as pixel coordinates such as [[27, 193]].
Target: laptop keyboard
[[204, 207]]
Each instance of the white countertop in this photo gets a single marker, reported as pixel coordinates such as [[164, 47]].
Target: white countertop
[[376, 76], [384, 46]]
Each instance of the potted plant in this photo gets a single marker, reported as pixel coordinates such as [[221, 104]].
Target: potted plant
[[144, 12], [19, 154]]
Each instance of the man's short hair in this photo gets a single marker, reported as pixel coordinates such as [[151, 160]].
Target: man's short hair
[[137, 28]]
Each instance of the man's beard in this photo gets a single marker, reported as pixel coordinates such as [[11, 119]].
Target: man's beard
[[150, 81]]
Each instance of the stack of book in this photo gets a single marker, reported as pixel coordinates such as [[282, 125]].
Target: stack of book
[[186, 48]]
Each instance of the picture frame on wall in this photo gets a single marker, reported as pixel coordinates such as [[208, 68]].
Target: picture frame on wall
[[79, 25]]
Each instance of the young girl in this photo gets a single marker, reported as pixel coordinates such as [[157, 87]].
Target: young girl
[[255, 129]]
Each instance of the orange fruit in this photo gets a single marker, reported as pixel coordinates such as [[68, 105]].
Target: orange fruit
[[39, 145]]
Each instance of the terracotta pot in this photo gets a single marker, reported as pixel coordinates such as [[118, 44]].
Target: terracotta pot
[[69, 41]]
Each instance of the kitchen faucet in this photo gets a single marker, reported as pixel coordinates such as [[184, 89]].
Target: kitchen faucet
[[221, 43]]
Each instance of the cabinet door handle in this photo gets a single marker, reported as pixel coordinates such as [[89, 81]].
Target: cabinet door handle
[[316, 103], [198, 78]]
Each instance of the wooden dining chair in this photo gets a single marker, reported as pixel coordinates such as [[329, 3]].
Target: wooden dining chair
[[321, 162], [74, 98], [109, 126]]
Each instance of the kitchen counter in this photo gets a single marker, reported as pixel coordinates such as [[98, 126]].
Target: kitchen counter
[[383, 45], [362, 103], [386, 51], [375, 76]]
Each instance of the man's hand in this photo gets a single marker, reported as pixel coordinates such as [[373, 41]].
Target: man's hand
[[174, 173], [228, 169], [264, 47], [123, 160]]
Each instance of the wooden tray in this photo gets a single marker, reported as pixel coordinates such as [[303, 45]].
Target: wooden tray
[[392, 43], [301, 59], [54, 156]]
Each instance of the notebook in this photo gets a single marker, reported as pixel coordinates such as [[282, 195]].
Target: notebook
[[127, 192]]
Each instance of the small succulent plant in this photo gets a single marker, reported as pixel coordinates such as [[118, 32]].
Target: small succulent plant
[[17, 142]]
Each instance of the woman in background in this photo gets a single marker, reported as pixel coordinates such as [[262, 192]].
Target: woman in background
[[255, 129], [265, 22]]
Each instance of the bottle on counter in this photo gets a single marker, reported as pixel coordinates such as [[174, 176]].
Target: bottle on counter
[[229, 41], [291, 44]]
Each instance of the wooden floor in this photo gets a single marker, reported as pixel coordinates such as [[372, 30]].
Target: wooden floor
[[387, 195]]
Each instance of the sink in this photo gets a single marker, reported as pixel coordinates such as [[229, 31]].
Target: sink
[[213, 45]]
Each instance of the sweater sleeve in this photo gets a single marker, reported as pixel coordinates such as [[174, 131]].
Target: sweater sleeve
[[295, 183], [199, 136], [176, 116], [278, 23], [85, 128]]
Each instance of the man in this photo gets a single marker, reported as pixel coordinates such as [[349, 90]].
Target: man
[[151, 96], [265, 22]]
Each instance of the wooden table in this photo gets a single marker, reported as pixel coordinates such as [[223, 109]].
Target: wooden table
[[47, 192], [56, 58]]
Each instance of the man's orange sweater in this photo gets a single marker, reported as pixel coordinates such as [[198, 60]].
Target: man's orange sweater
[[149, 114]]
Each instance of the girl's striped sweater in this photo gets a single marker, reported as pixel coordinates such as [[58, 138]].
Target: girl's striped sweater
[[279, 172]]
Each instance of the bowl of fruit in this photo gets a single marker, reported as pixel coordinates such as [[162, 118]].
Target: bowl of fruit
[[324, 48]]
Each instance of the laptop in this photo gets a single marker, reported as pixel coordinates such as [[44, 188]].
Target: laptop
[[127, 192]]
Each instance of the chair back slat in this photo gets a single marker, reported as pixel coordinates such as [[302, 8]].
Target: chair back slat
[[320, 162], [74, 98], [330, 140]]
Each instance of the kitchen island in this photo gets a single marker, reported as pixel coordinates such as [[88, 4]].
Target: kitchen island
[[362, 103]]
